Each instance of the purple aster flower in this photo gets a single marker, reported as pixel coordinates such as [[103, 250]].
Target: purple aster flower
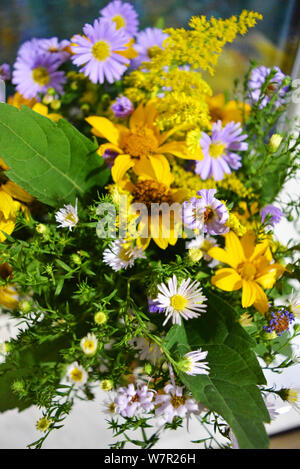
[[5, 72], [145, 41], [122, 107], [109, 157], [58, 49], [123, 15], [193, 364], [279, 321], [219, 150], [153, 307], [274, 214], [35, 71], [174, 403], [132, 401], [97, 53], [206, 213], [258, 77]]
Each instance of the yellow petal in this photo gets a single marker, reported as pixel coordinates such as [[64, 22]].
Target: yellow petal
[[227, 279], [17, 192], [249, 293], [121, 165], [248, 243], [161, 169], [178, 149], [222, 256], [7, 299], [104, 128], [137, 118], [261, 301], [234, 248]]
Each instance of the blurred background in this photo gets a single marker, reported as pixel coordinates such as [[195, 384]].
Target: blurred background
[[275, 40]]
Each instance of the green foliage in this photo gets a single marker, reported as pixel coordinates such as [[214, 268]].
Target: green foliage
[[231, 387], [53, 162]]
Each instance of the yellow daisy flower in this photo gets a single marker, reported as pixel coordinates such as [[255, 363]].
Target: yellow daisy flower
[[227, 112], [251, 269], [141, 145]]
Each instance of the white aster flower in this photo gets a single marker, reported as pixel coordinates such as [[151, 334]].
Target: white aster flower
[[89, 344], [67, 216], [77, 374], [148, 350], [174, 403], [193, 364], [203, 244], [120, 254], [294, 306], [184, 301], [109, 406]]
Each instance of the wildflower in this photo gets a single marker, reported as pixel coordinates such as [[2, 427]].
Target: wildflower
[[279, 321], [89, 344], [192, 363], [149, 350], [141, 146], [246, 320], [294, 306], [220, 149], [200, 246], [146, 43], [153, 308], [67, 216], [122, 107], [275, 142], [36, 71], [251, 269], [234, 111], [43, 424], [206, 213], [77, 374], [43, 110], [100, 318], [132, 401], [97, 52], [60, 50], [275, 77], [273, 213], [106, 384], [120, 254], [110, 407], [9, 209], [174, 403], [123, 16], [5, 72], [292, 396], [109, 157], [184, 301]]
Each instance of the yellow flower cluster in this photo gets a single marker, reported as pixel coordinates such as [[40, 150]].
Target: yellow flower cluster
[[192, 182], [173, 74]]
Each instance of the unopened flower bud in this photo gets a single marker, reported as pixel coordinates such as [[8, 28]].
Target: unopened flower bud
[[275, 142]]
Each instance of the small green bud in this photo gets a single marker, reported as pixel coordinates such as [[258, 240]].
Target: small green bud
[[56, 104], [76, 259], [100, 318], [41, 228], [51, 92], [297, 328], [18, 387], [148, 368], [275, 142], [25, 306], [85, 107], [269, 335], [74, 86], [107, 384], [5, 347]]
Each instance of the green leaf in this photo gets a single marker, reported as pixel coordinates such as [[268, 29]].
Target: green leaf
[[231, 387], [54, 162]]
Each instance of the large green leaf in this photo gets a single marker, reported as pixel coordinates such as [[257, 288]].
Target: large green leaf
[[54, 162], [231, 387]]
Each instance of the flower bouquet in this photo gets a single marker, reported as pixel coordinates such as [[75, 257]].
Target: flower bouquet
[[137, 214]]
